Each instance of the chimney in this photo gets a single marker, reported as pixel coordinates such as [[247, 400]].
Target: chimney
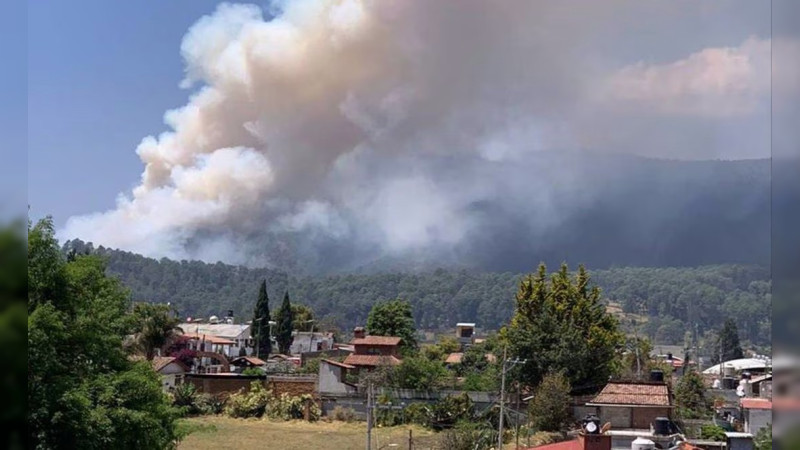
[[359, 333], [595, 441]]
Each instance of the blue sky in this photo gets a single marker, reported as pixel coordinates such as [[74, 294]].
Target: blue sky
[[12, 110], [100, 77]]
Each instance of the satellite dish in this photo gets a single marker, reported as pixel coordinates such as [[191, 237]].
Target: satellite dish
[[591, 427]]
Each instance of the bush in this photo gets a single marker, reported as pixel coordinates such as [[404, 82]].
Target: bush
[[184, 395], [467, 436], [418, 413], [712, 432], [287, 407], [252, 403], [549, 409], [209, 404], [450, 410], [343, 414]]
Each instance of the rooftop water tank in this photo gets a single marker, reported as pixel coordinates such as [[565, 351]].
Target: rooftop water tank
[[641, 443], [661, 426]]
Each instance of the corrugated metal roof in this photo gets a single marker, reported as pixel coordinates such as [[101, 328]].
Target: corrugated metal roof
[[225, 330]]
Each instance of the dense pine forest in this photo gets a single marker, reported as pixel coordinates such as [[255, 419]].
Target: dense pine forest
[[668, 302]]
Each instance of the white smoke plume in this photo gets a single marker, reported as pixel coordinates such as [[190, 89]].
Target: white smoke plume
[[399, 125]]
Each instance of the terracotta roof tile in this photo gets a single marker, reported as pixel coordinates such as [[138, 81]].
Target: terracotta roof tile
[[377, 340], [454, 358], [250, 359], [756, 403], [636, 394], [371, 360], [160, 362], [338, 364]]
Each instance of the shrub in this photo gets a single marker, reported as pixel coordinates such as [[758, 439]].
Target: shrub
[[450, 410], [418, 413], [343, 414], [253, 371], [252, 403], [184, 395], [287, 407], [467, 436], [712, 432], [549, 409], [209, 404]]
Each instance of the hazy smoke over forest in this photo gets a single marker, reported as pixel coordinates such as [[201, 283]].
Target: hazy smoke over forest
[[327, 132]]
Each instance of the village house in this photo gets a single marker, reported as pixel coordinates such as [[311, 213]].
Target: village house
[[238, 335], [632, 405], [332, 378], [370, 352], [171, 370], [465, 333], [756, 413], [307, 341]]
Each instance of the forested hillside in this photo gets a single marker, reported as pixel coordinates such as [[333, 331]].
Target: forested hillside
[[673, 299]]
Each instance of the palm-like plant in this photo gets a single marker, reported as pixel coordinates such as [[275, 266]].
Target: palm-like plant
[[155, 327]]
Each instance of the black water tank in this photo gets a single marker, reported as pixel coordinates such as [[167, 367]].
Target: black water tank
[[657, 376], [729, 383], [661, 426]]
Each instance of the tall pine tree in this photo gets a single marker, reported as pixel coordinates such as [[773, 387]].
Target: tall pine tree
[[727, 344], [259, 327], [284, 318]]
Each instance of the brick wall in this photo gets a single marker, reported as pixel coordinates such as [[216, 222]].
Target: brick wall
[[230, 384], [643, 417]]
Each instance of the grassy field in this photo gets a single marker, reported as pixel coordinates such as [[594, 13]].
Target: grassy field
[[216, 432]]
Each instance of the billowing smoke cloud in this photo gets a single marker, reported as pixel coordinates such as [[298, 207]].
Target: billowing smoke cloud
[[360, 129]]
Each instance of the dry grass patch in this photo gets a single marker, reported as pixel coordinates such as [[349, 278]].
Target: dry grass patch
[[215, 432]]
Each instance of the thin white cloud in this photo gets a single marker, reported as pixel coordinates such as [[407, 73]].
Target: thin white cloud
[[714, 82]]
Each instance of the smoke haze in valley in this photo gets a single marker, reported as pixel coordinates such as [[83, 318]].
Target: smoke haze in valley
[[354, 135]]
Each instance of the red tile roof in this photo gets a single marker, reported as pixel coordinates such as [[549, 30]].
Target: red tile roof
[[250, 359], [633, 394], [371, 360], [756, 403], [454, 358], [160, 362], [377, 340], [338, 364]]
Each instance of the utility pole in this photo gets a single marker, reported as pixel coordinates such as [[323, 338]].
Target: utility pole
[[369, 414], [506, 364]]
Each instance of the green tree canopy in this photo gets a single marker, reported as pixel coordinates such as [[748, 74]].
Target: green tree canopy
[[259, 327], [393, 318], [303, 316], [727, 343], [285, 321], [549, 410], [560, 324], [83, 391], [690, 396]]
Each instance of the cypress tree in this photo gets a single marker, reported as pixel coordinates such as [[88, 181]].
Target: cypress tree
[[285, 319], [259, 327], [727, 343]]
